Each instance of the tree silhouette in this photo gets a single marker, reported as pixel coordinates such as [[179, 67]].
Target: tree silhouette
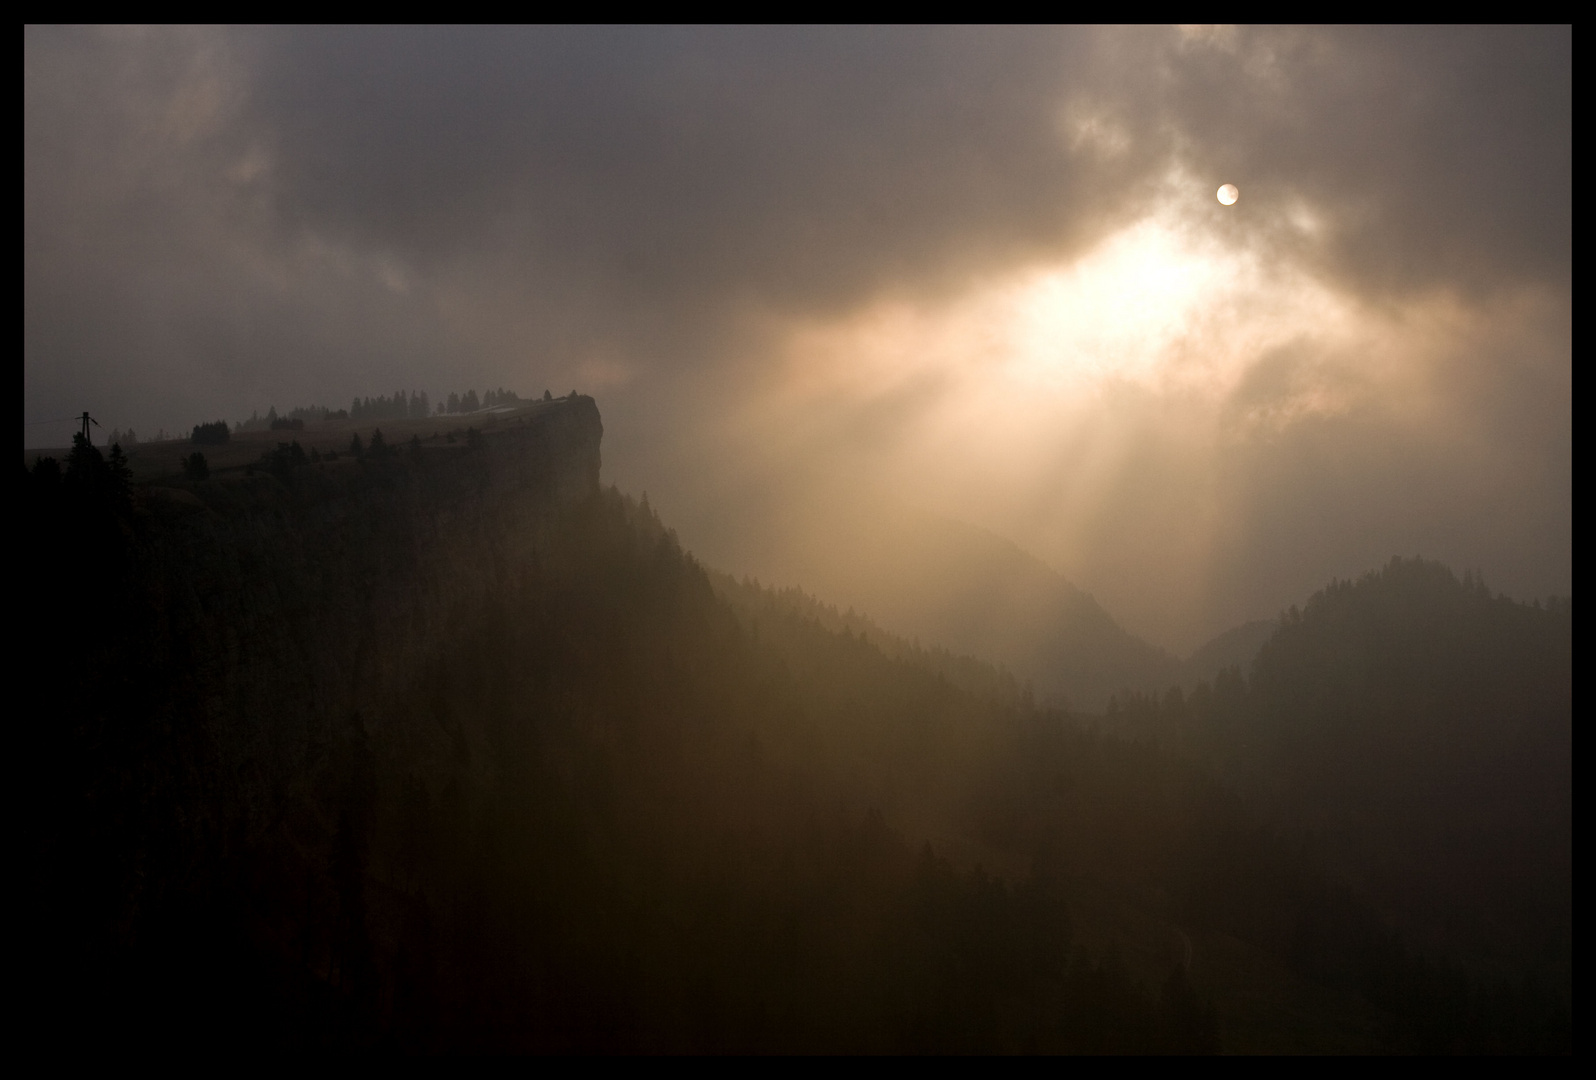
[[286, 462], [117, 467], [212, 434]]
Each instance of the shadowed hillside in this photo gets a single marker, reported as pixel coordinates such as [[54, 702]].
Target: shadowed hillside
[[455, 749], [1422, 729]]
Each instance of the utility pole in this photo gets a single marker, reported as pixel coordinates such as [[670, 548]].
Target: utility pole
[[87, 420]]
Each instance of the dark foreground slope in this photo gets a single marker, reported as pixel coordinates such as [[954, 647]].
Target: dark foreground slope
[[1421, 728], [454, 749]]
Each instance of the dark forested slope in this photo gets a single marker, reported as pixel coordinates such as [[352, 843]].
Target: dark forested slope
[[1422, 729], [451, 748]]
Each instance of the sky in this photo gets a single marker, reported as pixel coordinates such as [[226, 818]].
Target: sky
[[817, 273]]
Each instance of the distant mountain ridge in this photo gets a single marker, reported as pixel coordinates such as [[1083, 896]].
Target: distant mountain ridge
[[1235, 648], [950, 584], [1422, 728]]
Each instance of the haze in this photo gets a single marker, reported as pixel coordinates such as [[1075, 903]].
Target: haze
[[820, 280]]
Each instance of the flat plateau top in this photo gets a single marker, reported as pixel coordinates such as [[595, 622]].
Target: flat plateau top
[[155, 461]]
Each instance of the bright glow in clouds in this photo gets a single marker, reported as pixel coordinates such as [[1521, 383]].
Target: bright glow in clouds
[[1228, 194], [1088, 409], [1154, 311]]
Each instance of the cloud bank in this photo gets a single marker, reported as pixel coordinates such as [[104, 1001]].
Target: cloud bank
[[979, 271]]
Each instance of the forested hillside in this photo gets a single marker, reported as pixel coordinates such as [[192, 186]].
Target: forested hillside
[[1421, 729], [458, 750]]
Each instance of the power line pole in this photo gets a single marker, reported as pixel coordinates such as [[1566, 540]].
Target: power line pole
[[87, 420]]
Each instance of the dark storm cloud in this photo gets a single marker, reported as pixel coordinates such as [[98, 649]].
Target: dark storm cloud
[[161, 285], [813, 165], [667, 166], [1443, 155]]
